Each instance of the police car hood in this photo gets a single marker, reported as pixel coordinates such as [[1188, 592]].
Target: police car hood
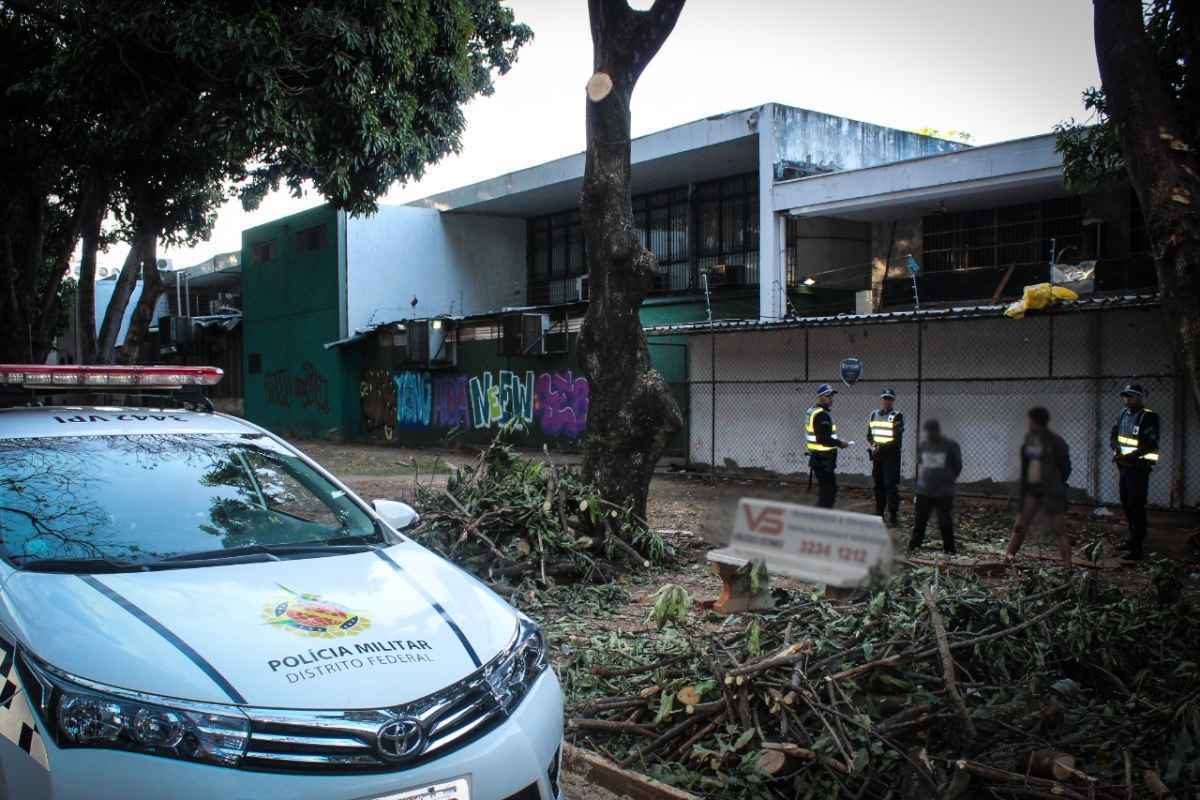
[[363, 630]]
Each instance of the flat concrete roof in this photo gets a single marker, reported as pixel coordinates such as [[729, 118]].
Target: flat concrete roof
[[998, 174], [714, 147]]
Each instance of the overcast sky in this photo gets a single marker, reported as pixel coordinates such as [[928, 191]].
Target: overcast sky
[[998, 70]]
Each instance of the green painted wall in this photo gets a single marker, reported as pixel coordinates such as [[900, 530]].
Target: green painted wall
[[294, 305]]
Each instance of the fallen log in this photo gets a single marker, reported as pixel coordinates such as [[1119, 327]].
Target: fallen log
[[623, 782]]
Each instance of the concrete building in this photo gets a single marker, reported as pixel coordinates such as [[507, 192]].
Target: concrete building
[[459, 313], [512, 245]]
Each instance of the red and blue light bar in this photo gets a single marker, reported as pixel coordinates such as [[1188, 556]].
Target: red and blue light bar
[[42, 376]]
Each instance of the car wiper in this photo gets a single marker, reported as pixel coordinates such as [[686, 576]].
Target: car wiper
[[269, 550], [80, 565]]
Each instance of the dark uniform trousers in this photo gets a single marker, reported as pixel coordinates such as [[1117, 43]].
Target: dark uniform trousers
[[924, 508], [824, 469], [885, 470], [1135, 492]]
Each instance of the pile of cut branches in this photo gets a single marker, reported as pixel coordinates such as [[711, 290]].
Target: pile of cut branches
[[927, 686], [512, 519]]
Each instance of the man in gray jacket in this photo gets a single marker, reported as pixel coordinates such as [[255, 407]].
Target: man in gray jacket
[[939, 463]]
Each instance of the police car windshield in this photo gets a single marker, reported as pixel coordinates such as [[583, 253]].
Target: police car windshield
[[68, 502]]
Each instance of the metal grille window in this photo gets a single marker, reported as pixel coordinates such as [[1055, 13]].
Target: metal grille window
[[727, 215], [724, 244], [661, 220], [556, 258], [1002, 237]]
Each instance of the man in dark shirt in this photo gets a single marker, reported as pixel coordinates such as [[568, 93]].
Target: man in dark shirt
[[1134, 441], [939, 463], [1045, 468], [885, 437], [822, 443]]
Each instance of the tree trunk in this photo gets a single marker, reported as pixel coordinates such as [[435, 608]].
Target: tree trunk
[[106, 346], [136, 340], [1162, 164], [85, 295], [631, 414]]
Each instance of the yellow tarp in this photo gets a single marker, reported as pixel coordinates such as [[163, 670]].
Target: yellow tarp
[[1038, 296]]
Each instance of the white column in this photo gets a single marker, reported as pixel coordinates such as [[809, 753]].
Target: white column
[[771, 266]]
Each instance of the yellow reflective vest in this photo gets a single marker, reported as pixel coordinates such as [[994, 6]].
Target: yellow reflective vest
[[885, 428], [810, 431], [1137, 430]]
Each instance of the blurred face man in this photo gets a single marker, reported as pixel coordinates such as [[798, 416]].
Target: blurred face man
[[1132, 401], [887, 403]]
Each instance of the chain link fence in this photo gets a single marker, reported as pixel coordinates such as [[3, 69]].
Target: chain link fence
[[746, 391]]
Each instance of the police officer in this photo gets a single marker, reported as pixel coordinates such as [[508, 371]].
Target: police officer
[[885, 433], [822, 443], [1134, 441]]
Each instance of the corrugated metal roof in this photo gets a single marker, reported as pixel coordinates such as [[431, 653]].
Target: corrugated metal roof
[[924, 315]]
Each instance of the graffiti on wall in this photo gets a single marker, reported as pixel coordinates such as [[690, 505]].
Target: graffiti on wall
[[562, 401], [378, 403], [278, 386], [413, 396], [554, 403], [311, 388]]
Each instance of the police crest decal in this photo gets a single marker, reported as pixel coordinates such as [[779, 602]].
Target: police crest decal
[[309, 615]]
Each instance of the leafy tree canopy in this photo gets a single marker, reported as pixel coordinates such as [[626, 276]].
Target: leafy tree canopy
[[154, 112], [1091, 151]]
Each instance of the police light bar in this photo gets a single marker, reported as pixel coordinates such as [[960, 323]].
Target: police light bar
[[40, 376]]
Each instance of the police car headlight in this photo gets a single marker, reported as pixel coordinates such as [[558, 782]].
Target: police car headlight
[[80, 713], [512, 674]]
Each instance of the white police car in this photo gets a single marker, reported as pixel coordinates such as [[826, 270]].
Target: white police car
[[191, 608]]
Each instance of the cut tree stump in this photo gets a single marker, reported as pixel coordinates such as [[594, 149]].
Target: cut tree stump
[[734, 599], [608, 775]]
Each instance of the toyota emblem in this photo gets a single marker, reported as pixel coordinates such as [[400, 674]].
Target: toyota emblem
[[400, 739]]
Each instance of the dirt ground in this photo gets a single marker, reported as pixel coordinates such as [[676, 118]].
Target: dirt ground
[[693, 514]]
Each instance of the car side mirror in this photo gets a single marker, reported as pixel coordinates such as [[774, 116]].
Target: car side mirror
[[400, 516]]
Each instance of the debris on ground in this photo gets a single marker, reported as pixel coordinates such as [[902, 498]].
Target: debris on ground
[[512, 519], [928, 685]]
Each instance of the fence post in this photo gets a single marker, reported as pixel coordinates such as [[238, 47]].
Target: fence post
[[920, 391], [1178, 434], [1097, 368], [712, 430]]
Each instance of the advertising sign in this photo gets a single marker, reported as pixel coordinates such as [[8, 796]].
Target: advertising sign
[[817, 545]]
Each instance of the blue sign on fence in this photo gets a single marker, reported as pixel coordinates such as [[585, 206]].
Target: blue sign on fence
[[851, 370]]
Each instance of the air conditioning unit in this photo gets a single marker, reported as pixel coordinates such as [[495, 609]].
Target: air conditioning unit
[[424, 343], [581, 287], [443, 344], [726, 275], [524, 334]]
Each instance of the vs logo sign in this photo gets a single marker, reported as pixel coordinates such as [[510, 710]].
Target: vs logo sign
[[768, 521]]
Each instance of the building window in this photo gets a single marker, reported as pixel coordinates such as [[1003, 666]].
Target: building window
[[1002, 237], [254, 363], [661, 221], [727, 240], [261, 252], [556, 258], [725, 245], [310, 239]]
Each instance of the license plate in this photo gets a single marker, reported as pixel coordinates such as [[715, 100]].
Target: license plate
[[450, 790]]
